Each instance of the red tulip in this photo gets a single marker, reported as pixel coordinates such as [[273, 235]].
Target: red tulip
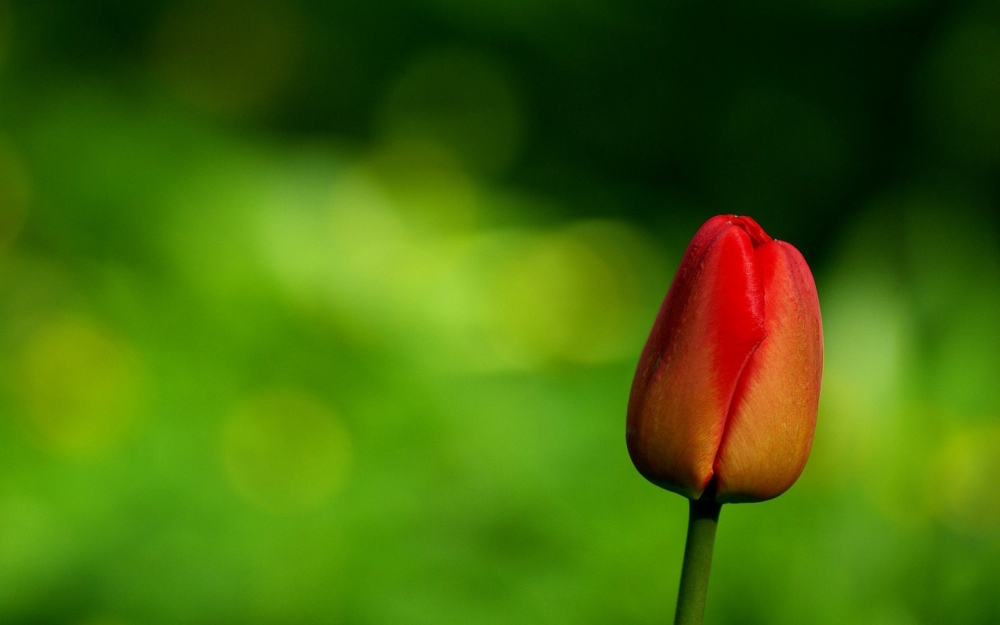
[[727, 386]]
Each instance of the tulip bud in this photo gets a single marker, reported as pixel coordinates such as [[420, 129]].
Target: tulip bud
[[727, 386]]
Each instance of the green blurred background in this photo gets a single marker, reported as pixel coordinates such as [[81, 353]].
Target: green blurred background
[[327, 312]]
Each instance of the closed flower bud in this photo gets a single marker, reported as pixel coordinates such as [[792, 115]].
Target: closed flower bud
[[727, 386]]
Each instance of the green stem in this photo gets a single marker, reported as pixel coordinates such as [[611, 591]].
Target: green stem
[[702, 521]]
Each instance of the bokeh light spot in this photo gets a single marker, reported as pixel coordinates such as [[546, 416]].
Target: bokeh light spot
[[556, 297], [362, 218], [373, 250], [462, 100], [371, 247], [285, 451], [867, 337], [868, 327], [869, 355], [962, 478], [426, 184], [80, 386], [227, 57]]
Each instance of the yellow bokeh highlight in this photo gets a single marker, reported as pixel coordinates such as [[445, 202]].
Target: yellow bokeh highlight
[[426, 183], [227, 57], [963, 472], [285, 451], [560, 297], [371, 242], [395, 219], [401, 256], [80, 386], [410, 252], [381, 243], [868, 329]]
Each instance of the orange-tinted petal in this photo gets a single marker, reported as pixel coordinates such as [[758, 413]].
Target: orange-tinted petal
[[710, 323], [770, 426]]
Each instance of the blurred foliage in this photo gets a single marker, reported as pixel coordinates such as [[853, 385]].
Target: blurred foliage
[[326, 312]]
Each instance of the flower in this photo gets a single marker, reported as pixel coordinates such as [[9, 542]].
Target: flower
[[727, 387]]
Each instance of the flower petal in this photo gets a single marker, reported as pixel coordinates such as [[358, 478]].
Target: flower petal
[[770, 426], [710, 323]]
